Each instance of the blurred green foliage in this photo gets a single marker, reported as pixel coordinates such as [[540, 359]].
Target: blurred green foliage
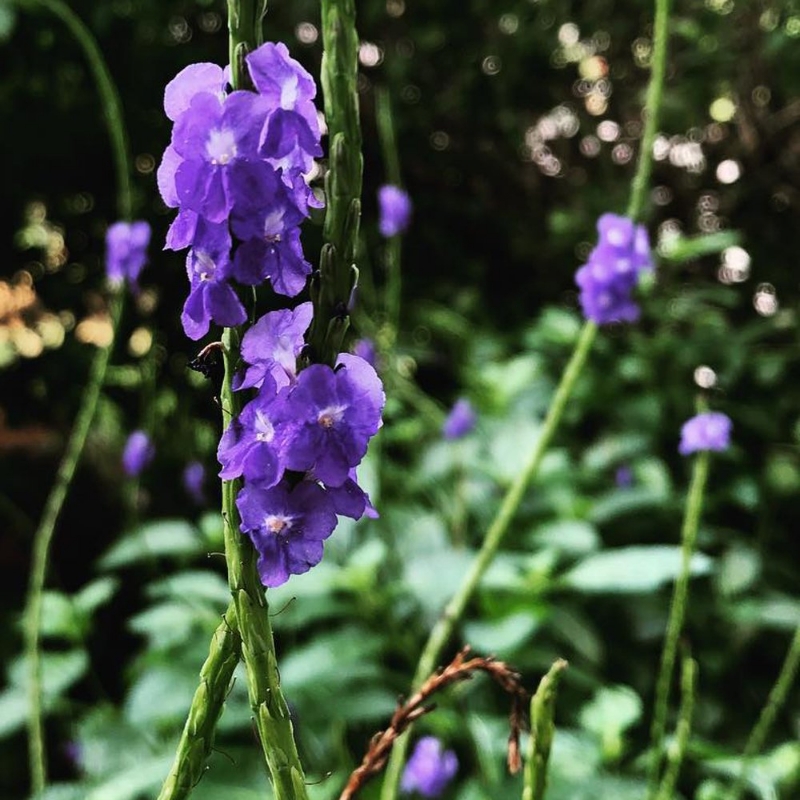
[[503, 151]]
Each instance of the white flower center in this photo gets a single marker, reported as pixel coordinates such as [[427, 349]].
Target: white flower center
[[221, 146], [616, 236], [330, 416], [278, 523], [265, 431], [204, 266], [289, 93]]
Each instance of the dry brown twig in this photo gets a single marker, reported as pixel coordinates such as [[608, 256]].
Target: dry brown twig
[[461, 668]]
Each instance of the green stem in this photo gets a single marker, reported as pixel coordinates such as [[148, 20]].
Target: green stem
[[655, 90], [269, 707], [43, 537], [258, 646], [683, 729], [197, 738], [777, 697], [444, 627], [446, 623], [393, 253], [542, 731], [332, 288], [677, 613]]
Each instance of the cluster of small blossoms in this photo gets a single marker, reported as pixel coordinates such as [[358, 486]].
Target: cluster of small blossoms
[[708, 431], [297, 444], [612, 271], [235, 170]]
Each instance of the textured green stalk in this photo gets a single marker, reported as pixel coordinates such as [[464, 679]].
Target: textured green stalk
[[393, 253], [443, 629], [269, 707], [455, 608], [332, 287], [652, 106], [197, 739], [677, 613], [542, 731], [43, 537], [258, 647], [682, 731], [777, 697]]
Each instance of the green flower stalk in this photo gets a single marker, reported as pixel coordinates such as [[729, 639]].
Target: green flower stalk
[[454, 610], [197, 739], [43, 537], [666, 790], [777, 697], [332, 288], [542, 732], [677, 613]]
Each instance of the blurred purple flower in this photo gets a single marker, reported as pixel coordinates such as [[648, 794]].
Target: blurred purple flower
[[612, 271], [460, 421], [429, 769], [138, 453], [624, 477], [708, 431], [395, 210], [126, 251], [365, 348], [194, 476]]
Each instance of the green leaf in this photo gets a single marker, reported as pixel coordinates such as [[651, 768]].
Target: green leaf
[[160, 697], [631, 569], [60, 618], [613, 708], [172, 623], [504, 636], [165, 538], [95, 594], [626, 501], [202, 585], [570, 536], [13, 710]]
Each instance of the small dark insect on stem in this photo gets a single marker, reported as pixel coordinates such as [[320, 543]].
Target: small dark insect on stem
[[210, 364], [459, 669]]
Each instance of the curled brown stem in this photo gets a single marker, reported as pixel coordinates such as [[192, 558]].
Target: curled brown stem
[[461, 668]]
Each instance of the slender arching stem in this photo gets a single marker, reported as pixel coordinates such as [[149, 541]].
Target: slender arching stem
[[112, 110], [454, 610]]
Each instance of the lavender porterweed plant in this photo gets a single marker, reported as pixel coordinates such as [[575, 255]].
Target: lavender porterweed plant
[[235, 170]]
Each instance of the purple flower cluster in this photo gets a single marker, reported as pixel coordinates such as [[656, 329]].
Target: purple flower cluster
[[612, 271], [139, 451], [708, 431], [235, 171], [460, 421], [429, 769], [297, 444]]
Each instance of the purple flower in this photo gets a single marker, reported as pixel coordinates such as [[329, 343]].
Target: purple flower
[[212, 156], [365, 348], [350, 500], [708, 431], [211, 298], [429, 769], [287, 527], [126, 251], [138, 453], [612, 271], [190, 81], [194, 476], [460, 421], [272, 345], [332, 415], [252, 445], [395, 210], [291, 138], [624, 477]]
